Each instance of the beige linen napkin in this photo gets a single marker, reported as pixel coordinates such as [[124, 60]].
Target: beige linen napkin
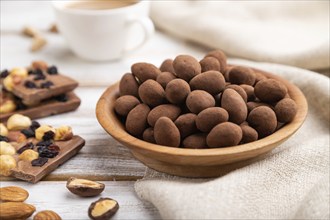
[[291, 182], [288, 32]]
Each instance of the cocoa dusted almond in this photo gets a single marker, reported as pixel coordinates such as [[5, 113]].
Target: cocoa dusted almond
[[103, 209], [84, 187]]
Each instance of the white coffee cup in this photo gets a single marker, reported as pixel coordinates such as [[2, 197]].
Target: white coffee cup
[[101, 35]]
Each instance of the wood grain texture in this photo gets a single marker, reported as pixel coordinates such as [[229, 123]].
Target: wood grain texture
[[196, 162], [102, 158], [55, 196]]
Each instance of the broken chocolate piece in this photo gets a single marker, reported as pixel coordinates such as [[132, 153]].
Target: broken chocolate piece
[[34, 171], [39, 162]]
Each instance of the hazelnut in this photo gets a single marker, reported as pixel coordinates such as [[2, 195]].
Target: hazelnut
[[7, 106], [103, 209], [3, 130], [42, 130], [8, 83], [7, 162], [19, 71], [63, 133], [18, 122], [6, 148], [84, 187], [28, 155]]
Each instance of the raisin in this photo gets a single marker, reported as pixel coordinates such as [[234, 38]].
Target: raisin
[[31, 72], [46, 85], [52, 70], [40, 76], [4, 74], [45, 152], [39, 162], [34, 125], [62, 98], [4, 138], [44, 143], [29, 84], [27, 146], [20, 105], [28, 133], [48, 135], [54, 148]]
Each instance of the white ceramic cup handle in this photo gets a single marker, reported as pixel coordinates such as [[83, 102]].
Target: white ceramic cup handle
[[148, 28]]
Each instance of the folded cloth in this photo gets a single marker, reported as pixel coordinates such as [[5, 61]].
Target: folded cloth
[[288, 32], [291, 182]]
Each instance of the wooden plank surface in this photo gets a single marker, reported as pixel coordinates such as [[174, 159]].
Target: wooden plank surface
[[102, 158], [55, 196]]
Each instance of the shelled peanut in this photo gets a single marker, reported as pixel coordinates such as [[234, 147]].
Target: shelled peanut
[[201, 104]]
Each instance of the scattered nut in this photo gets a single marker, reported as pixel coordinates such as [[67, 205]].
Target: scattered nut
[[40, 132], [28, 155], [7, 162], [47, 215], [103, 209], [63, 133], [3, 129], [38, 43], [84, 187], [18, 122], [30, 31], [16, 210], [13, 194], [6, 148]]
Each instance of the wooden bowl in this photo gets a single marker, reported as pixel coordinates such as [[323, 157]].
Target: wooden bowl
[[195, 162]]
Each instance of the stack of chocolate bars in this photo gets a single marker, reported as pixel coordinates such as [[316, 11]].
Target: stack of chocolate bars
[[36, 91]]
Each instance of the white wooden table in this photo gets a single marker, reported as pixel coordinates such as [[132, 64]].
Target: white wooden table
[[102, 158]]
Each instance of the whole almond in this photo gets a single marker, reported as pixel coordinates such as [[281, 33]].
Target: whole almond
[[16, 210], [13, 194], [47, 215]]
